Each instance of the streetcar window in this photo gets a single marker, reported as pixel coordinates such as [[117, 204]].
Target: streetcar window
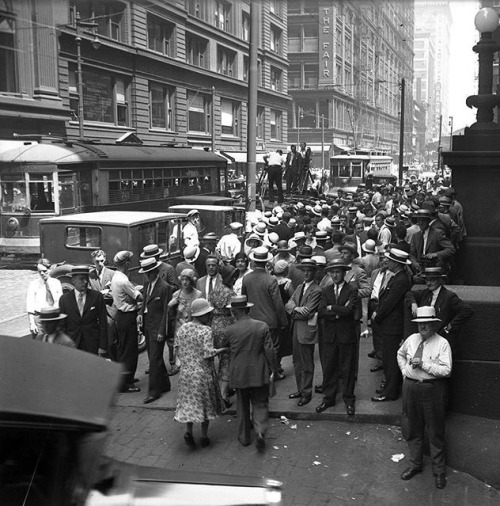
[[83, 237], [344, 170], [356, 169], [41, 193], [14, 196]]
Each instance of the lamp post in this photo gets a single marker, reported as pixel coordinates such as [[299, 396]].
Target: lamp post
[[450, 123], [80, 26], [402, 132]]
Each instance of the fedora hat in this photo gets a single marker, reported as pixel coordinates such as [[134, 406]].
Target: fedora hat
[[80, 269], [228, 272], [433, 272], [48, 314], [122, 256], [149, 264], [305, 251], [349, 246], [390, 222], [273, 221], [260, 254], [399, 256], [199, 307], [151, 250], [337, 263], [283, 247], [316, 210], [423, 214], [445, 201], [426, 314], [307, 262], [239, 302], [369, 246]]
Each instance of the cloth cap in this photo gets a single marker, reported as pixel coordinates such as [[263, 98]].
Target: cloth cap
[[236, 225], [193, 212]]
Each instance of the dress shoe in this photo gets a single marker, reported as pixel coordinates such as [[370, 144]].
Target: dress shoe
[[174, 370], [318, 389], [351, 410], [295, 395], [381, 398], [189, 439], [376, 368], [323, 406], [409, 473], [150, 399], [303, 401], [372, 354], [260, 442], [130, 389], [441, 480], [205, 441]]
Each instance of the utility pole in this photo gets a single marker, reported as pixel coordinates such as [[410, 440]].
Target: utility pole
[[402, 132], [451, 132], [323, 142], [439, 143], [300, 115]]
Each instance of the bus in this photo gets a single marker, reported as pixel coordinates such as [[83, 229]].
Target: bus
[[352, 168], [43, 178]]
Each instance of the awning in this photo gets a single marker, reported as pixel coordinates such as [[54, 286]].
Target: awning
[[241, 156], [316, 148]]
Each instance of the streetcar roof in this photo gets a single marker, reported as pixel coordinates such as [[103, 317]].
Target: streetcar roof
[[202, 207], [362, 157], [126, 218]]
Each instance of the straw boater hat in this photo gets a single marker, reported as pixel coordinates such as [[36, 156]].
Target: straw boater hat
[[390, 222], [260, 254], [239, 302], [316, 210], [260, 229], [80, 269], [321, 235], [151, 250], [337, 263], [319, 259], [423, 214], [199, 307], [149, 264], [299, 235], [369, 246], [122, 256], [399, 256], [426, 314], [433, 272], [189, 253], [49, 314]]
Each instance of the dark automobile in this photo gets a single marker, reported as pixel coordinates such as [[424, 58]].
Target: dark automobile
[[53, 420]]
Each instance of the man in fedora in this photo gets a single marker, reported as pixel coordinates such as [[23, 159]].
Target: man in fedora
[[425, 360], [303, 309], [253, 360], [450, 309], [338, 338], [152, 318], [298, 240], [262, 291], [389, 316], [86, 321], [127, 299], [283, 253], [51, 322], [167, 272], [295, 273]]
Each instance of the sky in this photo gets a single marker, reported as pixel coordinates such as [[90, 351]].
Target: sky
[[463, 63]]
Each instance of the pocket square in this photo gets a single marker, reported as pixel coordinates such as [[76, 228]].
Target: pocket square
[[92, 308], [157, 298]]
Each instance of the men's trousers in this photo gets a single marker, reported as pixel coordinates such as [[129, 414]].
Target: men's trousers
[[159, 382], [393, 378], [258, 399], [127, 350], [274, 177], [303, 364]]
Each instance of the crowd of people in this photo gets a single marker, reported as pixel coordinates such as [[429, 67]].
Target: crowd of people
[[324, 272]]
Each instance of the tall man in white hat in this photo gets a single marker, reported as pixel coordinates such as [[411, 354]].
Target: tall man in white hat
[[425, 361], [229, 245]]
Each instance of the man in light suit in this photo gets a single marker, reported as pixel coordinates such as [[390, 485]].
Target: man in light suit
[[207, 283], [86, 322], [338, 339], [252, 361], [303, 309], [153, 319]]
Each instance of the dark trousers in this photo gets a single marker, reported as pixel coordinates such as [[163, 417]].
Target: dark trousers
[[338, 362], [303, 364], [274, 177], [127, 351], [159, 382], [377, 341], [424, 409], [258, 399], [291, 180], [393, 378], [112, 339]]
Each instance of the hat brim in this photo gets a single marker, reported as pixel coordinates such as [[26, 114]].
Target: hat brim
[[248, 304], [203, 311], [352, 250], [366, 250], [404, 262], [426, 320], [331, 267], [434, 276], [61, 316], [144, 255], [263, 260], [149, 269], [303, 266]]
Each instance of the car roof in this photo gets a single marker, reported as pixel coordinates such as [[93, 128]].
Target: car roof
[[53, 385], [113, 217], [189, 207]]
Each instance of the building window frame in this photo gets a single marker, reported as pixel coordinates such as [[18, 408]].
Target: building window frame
[[161, 35], [276, 124], [199, 106], [276, 79], [197, 51], [276, 35], [8, 70], [230, 117], [226, 62], [245, 26], [161, 107], [260, 122], [223, 16]]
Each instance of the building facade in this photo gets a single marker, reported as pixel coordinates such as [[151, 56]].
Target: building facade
[[347, 61]]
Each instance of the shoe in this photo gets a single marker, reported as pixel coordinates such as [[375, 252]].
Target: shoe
[[381, 398], [227, 403], [323, 406], [244, 443], [174, 370], [409, 473], [372, 354], [441, 480], [130, 389], [204, 441], [295, 395], [351, 410], [378, 367], [318, 389], [136, 380], [303, 401], [150, 399], [260, 442], [189, 439]]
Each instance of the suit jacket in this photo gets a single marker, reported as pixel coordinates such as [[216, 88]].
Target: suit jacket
[[92, 324], [156, 303], [305, 328], [450, 309], [202, 282], [262, 290], [390, 310], [436, 243], [97, 284], [338, 323], [168, 274], [373, 303], [252, 353], [284, 232]]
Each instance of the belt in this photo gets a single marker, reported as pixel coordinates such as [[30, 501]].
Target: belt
[[424, 380]]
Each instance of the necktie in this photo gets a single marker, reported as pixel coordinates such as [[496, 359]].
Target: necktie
[[302, 293], [80, 303], [426, 235], [210, 285], [420, 350], [337, 293], [434, 298], [48, 295]]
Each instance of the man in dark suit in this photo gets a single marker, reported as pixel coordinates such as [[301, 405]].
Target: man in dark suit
[[303, 309], [284, 231], [86, 322], [338, 338], [293, 166], [167, 272], [252, 361], [450, 309], [207, 283], [153, 319], [359, 237], [389, 315]]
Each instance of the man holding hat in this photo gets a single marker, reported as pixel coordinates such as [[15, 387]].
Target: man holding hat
[[338, 339], [253, 360], [126, 298], [153, 319], [425, 360], [86, 321], [230, 244]]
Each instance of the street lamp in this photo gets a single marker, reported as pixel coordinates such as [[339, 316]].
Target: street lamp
[[486, 22]]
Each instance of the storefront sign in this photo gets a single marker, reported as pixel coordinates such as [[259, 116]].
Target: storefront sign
[[326, 47]]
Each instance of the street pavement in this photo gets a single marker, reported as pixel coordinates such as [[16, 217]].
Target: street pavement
[[321, 458]]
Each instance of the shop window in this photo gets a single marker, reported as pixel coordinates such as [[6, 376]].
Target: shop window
[[161, 36], [161, 103]]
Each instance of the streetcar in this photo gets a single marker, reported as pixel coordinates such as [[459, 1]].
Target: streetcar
[[350, 169], [44, 178]]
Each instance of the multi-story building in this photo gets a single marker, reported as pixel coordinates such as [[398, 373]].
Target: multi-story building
[[347, 61], [169, 72]]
